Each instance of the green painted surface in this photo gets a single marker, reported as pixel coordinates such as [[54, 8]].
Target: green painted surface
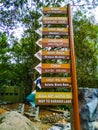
[[11, 94]]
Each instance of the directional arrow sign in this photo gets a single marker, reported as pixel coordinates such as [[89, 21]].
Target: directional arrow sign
[[39, 68], [39, 55], [40, 19], [40, 12], [39, 42], [39, 31], [55, 31], [55, 10], [55, 68], [58, 54], [52, 31], [55, 20], [46, 42], [55, 82], [38, 82], [53, 98]]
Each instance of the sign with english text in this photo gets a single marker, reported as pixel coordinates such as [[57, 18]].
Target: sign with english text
[[53, 98]]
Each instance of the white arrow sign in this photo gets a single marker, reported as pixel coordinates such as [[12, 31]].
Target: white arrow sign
[[40, 19], [40, 12], [39, 31], [39, 54], [39, 42], [38, 82], [39, 68]]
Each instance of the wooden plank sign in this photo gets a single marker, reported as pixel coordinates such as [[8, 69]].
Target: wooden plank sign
[[46, 42], [53, 98], [55, 10], [55, 20], [58, 54], [55, 82], [55, 68], [54, 31]]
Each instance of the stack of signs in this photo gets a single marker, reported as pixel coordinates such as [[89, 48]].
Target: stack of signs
[[55, 55], [58, 73]]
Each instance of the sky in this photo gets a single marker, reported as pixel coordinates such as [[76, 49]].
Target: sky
[[96, 14], [20, 29]]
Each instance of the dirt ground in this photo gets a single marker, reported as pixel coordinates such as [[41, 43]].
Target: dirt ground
[[42, 113]]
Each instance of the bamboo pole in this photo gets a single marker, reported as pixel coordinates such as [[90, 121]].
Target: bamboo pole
[[73, 73]]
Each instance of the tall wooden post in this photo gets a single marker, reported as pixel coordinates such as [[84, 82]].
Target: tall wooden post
[[73, 73]]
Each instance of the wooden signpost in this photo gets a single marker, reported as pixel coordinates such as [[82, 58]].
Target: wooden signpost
[[73, 69], [58, 49]]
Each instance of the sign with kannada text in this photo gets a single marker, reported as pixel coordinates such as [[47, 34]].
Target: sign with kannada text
[[54, 31], [54, 42], [55, 82], [55, 10], [55, 68], [55, 20], [56, 54], [53, 98]]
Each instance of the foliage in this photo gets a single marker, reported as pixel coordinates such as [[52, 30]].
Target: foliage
[[86, 42], [4, 59], [13, 11], [10, 14], [17, 58]]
